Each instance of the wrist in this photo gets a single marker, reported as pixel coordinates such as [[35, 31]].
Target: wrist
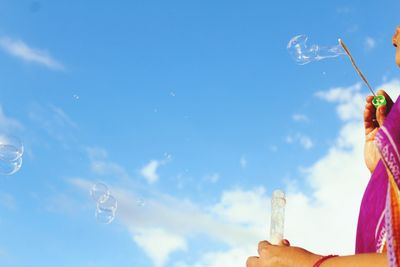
[[321, 260]]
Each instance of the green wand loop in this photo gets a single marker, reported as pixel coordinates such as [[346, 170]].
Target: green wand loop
[[379, 100]]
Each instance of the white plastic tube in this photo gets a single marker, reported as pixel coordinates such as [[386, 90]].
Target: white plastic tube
[[278, 203]]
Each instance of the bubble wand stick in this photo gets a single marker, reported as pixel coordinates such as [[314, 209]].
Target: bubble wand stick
[[379, 100]]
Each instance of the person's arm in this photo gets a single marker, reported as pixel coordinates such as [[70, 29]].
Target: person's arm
[[287, 256], [358, 260]]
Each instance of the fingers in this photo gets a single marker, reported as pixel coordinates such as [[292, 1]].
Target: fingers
[[375, 117], [381, 114], [252, 261], [382, 111], [284, 242], [263, 246], [264, 251], [370, 122], [389, 101]]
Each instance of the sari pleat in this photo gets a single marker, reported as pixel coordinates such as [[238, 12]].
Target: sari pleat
[[388, 143]]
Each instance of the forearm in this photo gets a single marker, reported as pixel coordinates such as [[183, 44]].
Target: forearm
[[359, 260]]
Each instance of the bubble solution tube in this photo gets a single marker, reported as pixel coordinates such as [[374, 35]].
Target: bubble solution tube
[[278, 203]]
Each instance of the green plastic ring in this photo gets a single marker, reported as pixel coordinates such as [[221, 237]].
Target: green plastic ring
[[379, 101]]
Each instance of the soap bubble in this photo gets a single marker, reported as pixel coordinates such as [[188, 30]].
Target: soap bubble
[[105, 211], [303, 54], [106, 204], [167, 157], [11, 151], [100, 192], [10, 167], [11, 148]]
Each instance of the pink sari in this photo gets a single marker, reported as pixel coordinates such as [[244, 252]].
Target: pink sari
[[379, 220]]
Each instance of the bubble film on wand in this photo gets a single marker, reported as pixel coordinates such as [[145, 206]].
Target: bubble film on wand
[[304, 54]]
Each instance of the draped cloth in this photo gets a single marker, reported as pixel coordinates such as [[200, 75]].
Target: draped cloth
[[379, 220]]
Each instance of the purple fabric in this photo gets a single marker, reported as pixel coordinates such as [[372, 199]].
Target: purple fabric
[[369, 233], [388, 143], [371, 221]]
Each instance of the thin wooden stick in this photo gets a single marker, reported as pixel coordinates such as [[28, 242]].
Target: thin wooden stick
[[355, 65]]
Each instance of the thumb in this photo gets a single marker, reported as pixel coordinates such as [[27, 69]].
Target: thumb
[[381, 114], [284, 242]]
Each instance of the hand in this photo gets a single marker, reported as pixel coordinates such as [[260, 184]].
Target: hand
[[373, 119], [282, 255]]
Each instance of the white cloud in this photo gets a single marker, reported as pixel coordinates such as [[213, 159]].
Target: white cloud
[[180, 217], [149, 171], [149, 240], [63, 203], [7, 123], [105, 167], [230, 222], [243, 207], [61, 118], [392, 88], [212, 178], [101, 165], [369, 43], [304, 140], [55, 122], [235, 257], [339, 94], [337, 180], [96, 153], [350, 101], [241, 217], [300, 118], [21, 50]]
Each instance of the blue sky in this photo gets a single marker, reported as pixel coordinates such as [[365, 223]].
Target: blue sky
[[196, 110]]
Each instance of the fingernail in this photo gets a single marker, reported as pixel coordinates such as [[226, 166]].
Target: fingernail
[[382, 110]]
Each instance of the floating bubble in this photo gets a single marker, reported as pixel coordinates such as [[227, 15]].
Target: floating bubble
[[11, 148], [105, 211], [10, 167], [172, 94], [100, 192], [167, 156], [303, 54]]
